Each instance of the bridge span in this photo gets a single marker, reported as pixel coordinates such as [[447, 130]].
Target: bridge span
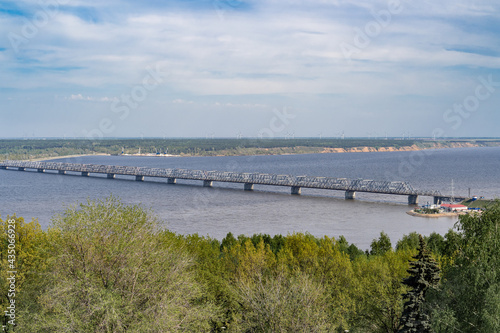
[[296, 183]]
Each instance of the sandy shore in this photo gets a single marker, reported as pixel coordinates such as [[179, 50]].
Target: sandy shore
[[83, 155], [65, 156], [405, 148], [413, 213]]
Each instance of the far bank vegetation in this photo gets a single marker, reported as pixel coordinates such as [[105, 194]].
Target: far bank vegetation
[[38, 149]]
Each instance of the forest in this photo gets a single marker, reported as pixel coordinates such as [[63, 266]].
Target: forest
[[26, 149], [103, 266], [18, 149]]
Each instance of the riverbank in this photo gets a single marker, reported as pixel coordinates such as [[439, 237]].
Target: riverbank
[[84, 155], [414, 147], [59, 157], [282, 151], [298, 150], [450, 214], [55, 149], [413, 213]]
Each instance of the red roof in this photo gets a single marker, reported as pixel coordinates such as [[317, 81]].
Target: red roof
[[453, 206]]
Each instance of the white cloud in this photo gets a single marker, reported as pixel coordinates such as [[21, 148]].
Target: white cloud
[[265, 51], [181, 101], [80, 97], [272, 53]]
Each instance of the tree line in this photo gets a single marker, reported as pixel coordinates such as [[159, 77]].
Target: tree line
[[31, 148], [103, 266]]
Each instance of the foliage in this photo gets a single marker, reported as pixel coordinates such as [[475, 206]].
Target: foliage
[[284, 303], [470, 297], [31, 148], [351, 250], [378, 298], [436, 244], [424, 274], [26, 257], [110, 273], [43, 148], [409, 242], [107, 267], [381, 245]]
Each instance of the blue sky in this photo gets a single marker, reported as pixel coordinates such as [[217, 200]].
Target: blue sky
[[253, 68]]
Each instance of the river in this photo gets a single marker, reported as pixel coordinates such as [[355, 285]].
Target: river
[[187, 207]]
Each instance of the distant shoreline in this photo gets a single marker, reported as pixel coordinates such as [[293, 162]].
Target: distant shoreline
[[63, 156], [284, 151], [100, 154]]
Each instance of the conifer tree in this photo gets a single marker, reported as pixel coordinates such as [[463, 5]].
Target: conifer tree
[[424, 273]]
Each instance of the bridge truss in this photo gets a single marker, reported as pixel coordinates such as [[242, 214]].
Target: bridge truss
[[249, 179]]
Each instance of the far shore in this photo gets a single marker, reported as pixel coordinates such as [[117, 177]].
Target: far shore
[[63, 156], [283, 151], [99, 154]]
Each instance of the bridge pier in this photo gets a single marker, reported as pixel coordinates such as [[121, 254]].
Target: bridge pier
[[438, 200], [296, 190], [173, 181], [412, 199], [207, 183], [111, 176], [41, 170], [85, 174], [62, 172], [139, 178], [350, 195], [248, 187]]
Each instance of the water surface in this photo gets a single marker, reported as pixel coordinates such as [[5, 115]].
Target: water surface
[[187, 207]]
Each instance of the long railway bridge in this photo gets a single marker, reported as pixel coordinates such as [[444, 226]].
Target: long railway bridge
[[296, 183]]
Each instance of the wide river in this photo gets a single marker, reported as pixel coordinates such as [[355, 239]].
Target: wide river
[[187, 207]]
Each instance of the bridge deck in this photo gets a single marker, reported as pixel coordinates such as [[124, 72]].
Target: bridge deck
[[329, 183]]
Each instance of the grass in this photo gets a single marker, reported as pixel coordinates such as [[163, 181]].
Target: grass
[[480, 203]]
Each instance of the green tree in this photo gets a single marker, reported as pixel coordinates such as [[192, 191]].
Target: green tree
[[381, 245], [408, 242], [22, 250], [424, 274], [228, 241], [379, 292], [113, 272], [435, 243], [470, 297], [352, 250], [284, 303]]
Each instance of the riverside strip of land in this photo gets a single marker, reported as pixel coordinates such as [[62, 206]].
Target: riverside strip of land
[[480, 204], [36, 149]]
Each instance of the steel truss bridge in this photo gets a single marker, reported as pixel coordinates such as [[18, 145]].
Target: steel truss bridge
[[350, 186]]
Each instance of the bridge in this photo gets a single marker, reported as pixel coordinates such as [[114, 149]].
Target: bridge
[[296, 183]]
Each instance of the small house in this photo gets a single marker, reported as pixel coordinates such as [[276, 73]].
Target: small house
[[454, 208]]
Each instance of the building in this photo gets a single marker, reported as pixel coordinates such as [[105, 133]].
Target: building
[[454, 208]]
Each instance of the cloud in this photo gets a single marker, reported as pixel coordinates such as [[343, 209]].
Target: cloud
[[289, 50], [181, 101], [80, 97], [252, 54]]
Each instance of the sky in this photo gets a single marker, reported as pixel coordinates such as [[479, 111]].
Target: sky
[[256, 68]]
